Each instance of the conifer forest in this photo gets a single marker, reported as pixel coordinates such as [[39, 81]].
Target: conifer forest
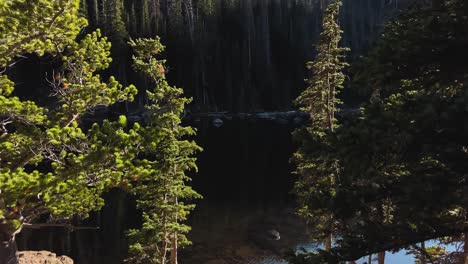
[[234, 131]]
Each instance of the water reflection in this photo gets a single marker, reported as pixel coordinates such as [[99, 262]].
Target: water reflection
[[245, 177]]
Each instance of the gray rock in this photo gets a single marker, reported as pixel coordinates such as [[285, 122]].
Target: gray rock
[[218, 122], [273, 234]]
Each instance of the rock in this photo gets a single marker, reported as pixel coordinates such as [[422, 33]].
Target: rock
[[42, 257], [217, 122], [273, 234]]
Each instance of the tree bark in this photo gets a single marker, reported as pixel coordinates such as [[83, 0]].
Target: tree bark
[[174, 249], [165, 235], [328, 243], [174, 246], [370, 259], [465, 249], [423, 253], [381, 257], [8, 250]]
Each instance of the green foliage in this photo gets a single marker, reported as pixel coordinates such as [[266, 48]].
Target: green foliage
[[80, 88], [49, 163], [420, 43], [434, 254], [111, 21], [319, 99], [317, 165], [38, 26], [403, 158], [438, 254], [307, 257], [207, 7], [160, 173]]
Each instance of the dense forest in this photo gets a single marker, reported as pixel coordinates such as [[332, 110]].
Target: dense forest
[[235, 55], [91, 105]]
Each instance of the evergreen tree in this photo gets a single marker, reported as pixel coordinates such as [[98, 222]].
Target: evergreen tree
[[114, 26], [317, 166], [162, 191], [403, 157], [145, 18], [37, 26], [49, 164]]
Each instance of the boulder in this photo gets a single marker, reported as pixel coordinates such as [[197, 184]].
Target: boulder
[[42, 257], [218, 122]]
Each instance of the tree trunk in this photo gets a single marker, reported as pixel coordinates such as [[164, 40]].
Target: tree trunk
[[381, 258], [174, 249], [8, 251], [465, 249], [423, 253], [174, 246], [370, 259], [328, 243], [165, 235]]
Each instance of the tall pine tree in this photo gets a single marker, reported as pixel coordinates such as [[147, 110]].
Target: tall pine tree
[[161, 172], [318, 168]]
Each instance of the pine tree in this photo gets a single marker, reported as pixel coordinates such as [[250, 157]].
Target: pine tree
[[162, 191], [319, 99], [39, 26], [317, 166], [145, 19], [174, 15], [114, 26], [50, 164], [403, 160]]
